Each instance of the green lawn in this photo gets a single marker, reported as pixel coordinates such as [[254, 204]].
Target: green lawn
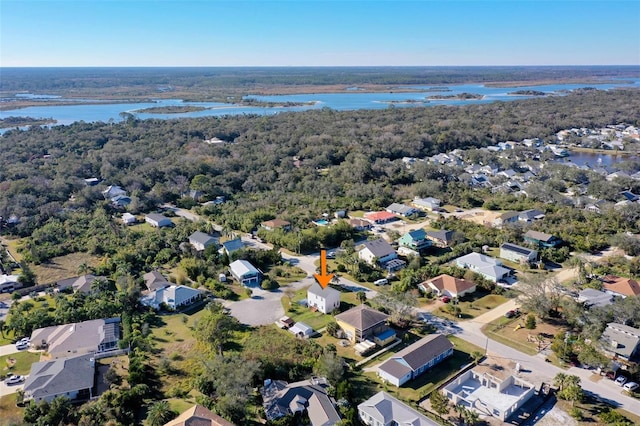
[[23, 361], [471, 307]]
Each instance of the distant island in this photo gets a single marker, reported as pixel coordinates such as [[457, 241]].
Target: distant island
[[288, 104], [438, 89], [460, 96], [528, 93], [406, 101], [171, 109], [24, 121]]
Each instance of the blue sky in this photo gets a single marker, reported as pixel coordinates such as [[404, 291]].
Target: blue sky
[[318, 32]]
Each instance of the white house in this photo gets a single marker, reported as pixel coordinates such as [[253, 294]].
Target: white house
[[384, 410], [486, 266], [129, 219], [174, 296], [326, 300], [8, 283], [245, 273], [200, 241], [428, 203], [157, 220], [301, 329], [517, 253], [377, 250]]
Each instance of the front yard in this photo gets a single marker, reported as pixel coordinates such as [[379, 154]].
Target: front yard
[[511, 332], [18, 363]]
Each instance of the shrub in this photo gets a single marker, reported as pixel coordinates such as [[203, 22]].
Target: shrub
[[530, 322], [576, 413]]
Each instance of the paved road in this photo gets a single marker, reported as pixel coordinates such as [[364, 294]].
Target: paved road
[[8, 350]]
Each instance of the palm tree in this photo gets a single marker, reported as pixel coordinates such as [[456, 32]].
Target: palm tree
[[361, 297], [560, 381], [159, 413]]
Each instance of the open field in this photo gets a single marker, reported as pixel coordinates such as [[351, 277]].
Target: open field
[[18, 363], [62, 267], [511, 332]]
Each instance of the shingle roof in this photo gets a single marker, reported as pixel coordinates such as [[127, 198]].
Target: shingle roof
[[232, 245], [386, 409], [416, 355], [198, 416], [241, 267], [443, 235], [624, 286], [81, 337], [322, 292], [201, 238], [362, 317], [59, 376], [621, 339], [379, 248], [517, 249], [536, 235]]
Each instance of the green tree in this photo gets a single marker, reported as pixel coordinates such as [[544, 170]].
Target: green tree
[[530, 322], [439, 403], [27, 277], [331, 366], [216, 327], [333, 328], [159, 413], [361, 297]]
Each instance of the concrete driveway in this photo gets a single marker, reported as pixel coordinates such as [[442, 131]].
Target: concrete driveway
[[8, 350], [9, 389]]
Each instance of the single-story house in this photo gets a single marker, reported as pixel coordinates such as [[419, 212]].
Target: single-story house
[[491, 389], [231, 246], [621, 286], [113, 191], [362, 323], [120, 201], [157, 220], [428, 203], [154, 280], [301, 329], [326, 300], [8, 283], [621, 342], [505, 218], [360, 224], [274, 224], [129, 219], [384, 410], [519, 254], [592, 297], [245, 273], [174, 296], [530, 215], [87, 337], [415, 359], [379, 218], [484, 265], [71, 377], [441, 238], [198, 416], [415, 240], [200, 241], [446, 285], [82, 283], [281, 398], [402, 209], [541, 239]]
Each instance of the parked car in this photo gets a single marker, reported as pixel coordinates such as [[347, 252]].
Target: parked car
[[512, 313], [631, 386], [14, 380], [381, 281], [445, 299], [620, 380], [22, 344]]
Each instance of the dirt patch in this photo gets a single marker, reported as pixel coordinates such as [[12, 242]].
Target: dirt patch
[[63, 267], [556, 416], [482, 217], [535, 340]]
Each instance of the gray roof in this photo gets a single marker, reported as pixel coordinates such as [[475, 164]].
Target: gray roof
[[379, 248], [241, 267], [201, 238], [322, 292], [593, 297], [518, 249], [442, 234], [530, 214], [77, 338], [155, 280], [232, 245], [157, 217], [81, 283], [385, 409], [626, 339], [400, 209], [416, 355], [537, 235], [59, 376]]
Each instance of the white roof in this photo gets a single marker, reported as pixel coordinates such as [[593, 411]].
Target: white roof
[[4, 279], [241, 267], [301, 327]]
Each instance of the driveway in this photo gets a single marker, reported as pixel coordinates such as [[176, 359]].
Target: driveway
[[8, 350], [9, 389]]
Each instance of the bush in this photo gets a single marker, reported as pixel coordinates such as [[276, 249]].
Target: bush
[[576, 413], [269, 284], [530, 322]]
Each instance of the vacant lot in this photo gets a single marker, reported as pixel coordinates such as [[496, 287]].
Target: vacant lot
[[511, 332], [62, 267], [470, 307]]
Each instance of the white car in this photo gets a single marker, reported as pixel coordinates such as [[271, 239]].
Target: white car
[[630, 386], [14, 380], [621, 380], [21, 345]]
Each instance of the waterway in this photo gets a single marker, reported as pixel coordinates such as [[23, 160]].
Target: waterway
[[347, 100], [596, 160]]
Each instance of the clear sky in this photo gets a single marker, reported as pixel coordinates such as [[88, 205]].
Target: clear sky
[[318, 32]]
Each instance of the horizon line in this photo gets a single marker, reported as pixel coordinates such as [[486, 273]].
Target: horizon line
[[323, 66]]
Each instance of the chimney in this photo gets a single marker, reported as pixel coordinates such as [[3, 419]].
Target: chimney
[[614, 344]]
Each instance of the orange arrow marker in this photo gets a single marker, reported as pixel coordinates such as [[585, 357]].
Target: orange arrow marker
[[323, 278]]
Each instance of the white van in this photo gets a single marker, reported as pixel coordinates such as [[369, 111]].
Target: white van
[[381, 281]]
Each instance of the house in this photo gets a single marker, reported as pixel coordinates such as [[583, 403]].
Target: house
[[620, 286], [154, 280], [157, 220], [129, 219], [415, 240], [441, 238], [379, 218], [198, 416], [517, 253], [301, 329], [541, 239], [402, 209], [87, 337], [380, 252], [200, 241], [592, 297], [384, 410], [82, 283], [491, 389], [360, 224], [93, 181], [173, 296], [362, 323], [530, 215], [8, 283], [446, 285], [120, 201], [231, 246], [428, 204], [112, 192], [72, 377], [245, 273], [326, 300], [271, 225], [415, 359], [486, 266], [628, 195], [281, 398], [506, 218], [621, 342]]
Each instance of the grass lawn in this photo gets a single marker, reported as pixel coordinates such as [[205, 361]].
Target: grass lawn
[[511, 332], [62, 267], [590, 409], [472, 307], [22, 365], [8, 338], [12, 247], [422, 386], [286, 274], [11, 414]]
